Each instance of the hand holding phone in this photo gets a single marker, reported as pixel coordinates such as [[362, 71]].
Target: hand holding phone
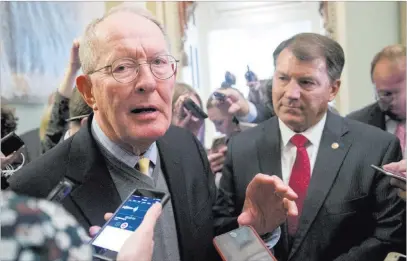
[[242, 244], [10, 143], [393, 256], [396, 175], [219, 96], [190, 105], [127, 218], [218, 142]]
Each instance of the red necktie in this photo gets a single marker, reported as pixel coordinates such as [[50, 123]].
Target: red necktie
[[401, 134], [299, 179]]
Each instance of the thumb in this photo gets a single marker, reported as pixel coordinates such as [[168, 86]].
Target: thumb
[[244, 218], [150, 219]]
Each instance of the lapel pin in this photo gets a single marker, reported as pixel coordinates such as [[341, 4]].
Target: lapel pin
[[335, 145]]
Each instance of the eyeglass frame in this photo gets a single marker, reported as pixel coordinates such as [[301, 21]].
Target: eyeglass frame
[[138, 64]]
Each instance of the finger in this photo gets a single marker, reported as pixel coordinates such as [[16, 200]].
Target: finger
[[245, 218], [107, 216], [215, 156], [234, 109], [93, 230], [150, 219], [223, 149], [283, 190], [217, 168], [402, 194], [219, 161], [398, 183], [187, 118], [291, 207]]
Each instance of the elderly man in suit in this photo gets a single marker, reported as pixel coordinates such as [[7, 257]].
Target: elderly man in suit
[[128, 143], [388, 74], [347, 210]]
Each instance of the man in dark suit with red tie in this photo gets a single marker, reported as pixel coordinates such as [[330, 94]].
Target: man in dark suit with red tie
[[347, 210]]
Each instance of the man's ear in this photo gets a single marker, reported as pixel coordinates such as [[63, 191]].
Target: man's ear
[[84, 86], [334, 89]]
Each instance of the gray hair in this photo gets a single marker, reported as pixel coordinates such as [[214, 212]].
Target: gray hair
[[310, 46], [88, 53], [392, 52]]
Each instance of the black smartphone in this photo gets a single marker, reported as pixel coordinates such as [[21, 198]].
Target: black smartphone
[[60, 192], [127, 218], [190, 105], [242, 244], [10, 143], [395, 175], [219, 96]]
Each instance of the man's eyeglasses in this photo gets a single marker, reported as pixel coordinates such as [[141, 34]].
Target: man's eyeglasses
[[386, 96], [125, 70]]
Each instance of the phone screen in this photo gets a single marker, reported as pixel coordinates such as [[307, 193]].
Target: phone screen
[[11, 143], [242, 244], [124, 222]]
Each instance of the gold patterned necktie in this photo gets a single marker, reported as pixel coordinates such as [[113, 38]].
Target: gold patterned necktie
[[143, 165]]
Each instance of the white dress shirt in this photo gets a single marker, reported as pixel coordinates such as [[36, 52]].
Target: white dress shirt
[[127, 157], [289, 150]]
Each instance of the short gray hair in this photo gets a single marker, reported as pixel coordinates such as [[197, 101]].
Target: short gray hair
[[310, 46], [88, 54], [392, 52]]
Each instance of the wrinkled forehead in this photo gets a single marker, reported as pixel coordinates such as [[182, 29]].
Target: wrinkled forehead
[[128, 34]]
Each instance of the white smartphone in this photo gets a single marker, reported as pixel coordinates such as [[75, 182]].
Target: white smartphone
[[399, 176], [393, 256]]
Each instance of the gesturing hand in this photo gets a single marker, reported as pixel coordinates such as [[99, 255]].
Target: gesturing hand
[[267, 204]]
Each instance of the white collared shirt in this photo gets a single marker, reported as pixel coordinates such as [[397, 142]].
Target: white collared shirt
[[289, 150], [128, 158]]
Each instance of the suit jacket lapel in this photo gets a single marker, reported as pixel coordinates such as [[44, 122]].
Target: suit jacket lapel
[[268, 148], [87, 168], [377, 117], [327, 166], [174, 175], [269, 155]]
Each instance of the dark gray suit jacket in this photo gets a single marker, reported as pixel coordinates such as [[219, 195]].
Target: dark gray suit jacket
[[185, 167], [351, 212], [371, 114]]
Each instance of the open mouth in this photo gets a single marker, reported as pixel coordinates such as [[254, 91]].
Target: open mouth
[[144, 110]]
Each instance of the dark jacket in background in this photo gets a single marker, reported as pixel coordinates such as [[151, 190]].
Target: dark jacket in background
[[371, 114]]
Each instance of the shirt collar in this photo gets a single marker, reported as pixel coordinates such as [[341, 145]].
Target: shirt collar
[[121, 154], [313, 134]]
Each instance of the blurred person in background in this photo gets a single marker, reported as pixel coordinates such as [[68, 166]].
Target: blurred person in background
[[8, 125], [388, 74], [79, 112], [54, 125], [182, 117]]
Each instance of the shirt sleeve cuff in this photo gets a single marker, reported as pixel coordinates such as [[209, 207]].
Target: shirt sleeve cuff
[[271, 239], [251, 116]]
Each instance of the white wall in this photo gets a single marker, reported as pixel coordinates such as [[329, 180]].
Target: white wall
[[363, 29]]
